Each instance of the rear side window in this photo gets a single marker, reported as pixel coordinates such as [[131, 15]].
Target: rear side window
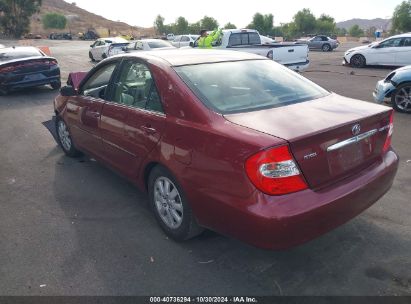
[[8, 54], [243, 86], [237, 39]]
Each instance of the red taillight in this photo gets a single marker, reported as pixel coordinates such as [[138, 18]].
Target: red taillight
[[275, 172], [387, 144], [8, 69]]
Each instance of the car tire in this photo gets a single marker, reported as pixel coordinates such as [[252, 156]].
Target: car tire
[[358, 61], [401, 98], [55, 85], [170, 206], [91, 56], [326, 48], [64, 138]]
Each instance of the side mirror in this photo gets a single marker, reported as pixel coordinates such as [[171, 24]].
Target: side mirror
[[91, 45], [192, 44], [68, 91]]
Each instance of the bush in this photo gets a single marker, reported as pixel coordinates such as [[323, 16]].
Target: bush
[[54, 21]]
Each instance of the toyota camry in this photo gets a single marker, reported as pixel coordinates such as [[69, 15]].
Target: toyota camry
[[231, 142]]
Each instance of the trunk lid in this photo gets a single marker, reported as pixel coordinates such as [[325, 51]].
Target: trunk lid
[[323, 134]]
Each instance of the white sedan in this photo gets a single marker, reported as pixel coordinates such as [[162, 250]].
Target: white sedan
[[184, 40], [393, 51], [99, 49]]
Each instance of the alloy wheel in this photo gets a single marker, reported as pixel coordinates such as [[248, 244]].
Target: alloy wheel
[[403, 99], [64, 135], [168, 202]]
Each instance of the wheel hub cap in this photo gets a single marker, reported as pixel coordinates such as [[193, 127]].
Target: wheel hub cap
[[168, 202]]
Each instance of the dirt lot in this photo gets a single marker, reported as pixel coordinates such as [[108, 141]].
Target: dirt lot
[[72, 227]]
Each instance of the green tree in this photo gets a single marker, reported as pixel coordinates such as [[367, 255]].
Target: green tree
[[181, 26], [401, 19], [305, 22], [208, 23], [325, 25], [54, 21], [262, 23], [159, 25], [341, 31], [15, 16], [194, 28], [229, 26], [355, 31]]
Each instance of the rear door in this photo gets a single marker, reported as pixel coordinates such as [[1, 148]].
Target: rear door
[[404, 53], [84, 110], [133, 122]]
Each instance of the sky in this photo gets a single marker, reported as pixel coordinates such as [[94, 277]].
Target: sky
[[143, 13]]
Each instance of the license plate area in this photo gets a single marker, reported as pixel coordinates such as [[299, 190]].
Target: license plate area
[[349, 157]]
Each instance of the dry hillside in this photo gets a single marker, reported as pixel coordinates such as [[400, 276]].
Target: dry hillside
[[80, 20]]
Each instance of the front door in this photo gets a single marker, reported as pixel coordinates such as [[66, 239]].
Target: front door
[[385, 53], [132, 124], [84, 110]]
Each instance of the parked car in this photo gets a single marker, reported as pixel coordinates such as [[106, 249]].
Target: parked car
[[23, 67], [89, 35], [393, 51], [267, 40], [139, 45], [170, 37], [32, 36], [320, 42], [293, 56], [231, 141], [99, 49], [397, 86], [60, 36], [184, 40]]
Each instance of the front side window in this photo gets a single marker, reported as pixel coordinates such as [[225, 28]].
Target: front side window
[[391, 43], [136, 87], [97, 84], [407, 42], [249, 85]]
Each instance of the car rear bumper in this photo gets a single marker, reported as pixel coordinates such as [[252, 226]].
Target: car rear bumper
[[299, 66], [15, 83], [383, 90], [286, 221]]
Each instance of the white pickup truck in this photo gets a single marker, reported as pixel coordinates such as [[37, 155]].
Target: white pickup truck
[[293, 56]]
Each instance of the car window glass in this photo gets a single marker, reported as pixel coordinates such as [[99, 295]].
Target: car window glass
[[136, 87], [235, 39], [391, 43], [185, 39], [407, 42], [250, 85], [97, 84], [254, 38], [139, 45]]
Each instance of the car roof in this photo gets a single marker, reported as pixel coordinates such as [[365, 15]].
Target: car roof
[[179, 57], [235, 31], [401, 35]]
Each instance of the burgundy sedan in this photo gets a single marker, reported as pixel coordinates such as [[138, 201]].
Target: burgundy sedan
[[232, 142]]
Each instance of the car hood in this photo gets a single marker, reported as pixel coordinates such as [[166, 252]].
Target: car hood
[[358, 48], [403, 69]]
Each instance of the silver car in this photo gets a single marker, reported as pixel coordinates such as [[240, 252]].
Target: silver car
[[397, 86], [324, 43]]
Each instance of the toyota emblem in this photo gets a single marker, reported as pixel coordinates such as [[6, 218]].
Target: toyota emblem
[[356, 129]]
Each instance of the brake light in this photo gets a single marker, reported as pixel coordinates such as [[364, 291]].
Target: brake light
[[8, 69], [387, 144], [275, 172]]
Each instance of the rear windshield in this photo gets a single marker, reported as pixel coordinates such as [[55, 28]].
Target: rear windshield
[[242, 86], [8, 54], [158, 44]]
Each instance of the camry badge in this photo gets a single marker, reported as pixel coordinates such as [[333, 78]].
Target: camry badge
[[356, 129]]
